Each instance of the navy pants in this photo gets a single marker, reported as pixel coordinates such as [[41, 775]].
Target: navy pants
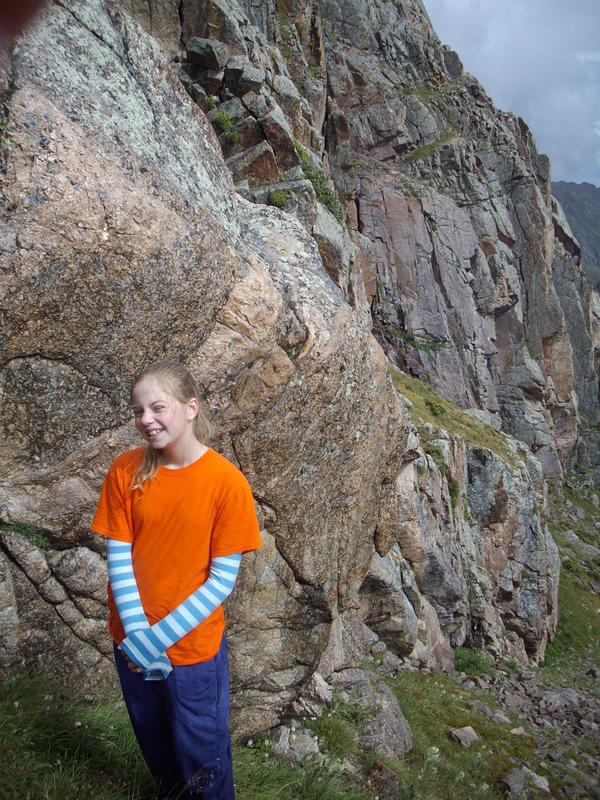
[[181, 725]]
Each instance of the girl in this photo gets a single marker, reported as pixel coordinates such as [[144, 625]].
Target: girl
[[178, 517]]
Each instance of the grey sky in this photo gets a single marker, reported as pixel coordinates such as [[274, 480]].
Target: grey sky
[[541, 60]]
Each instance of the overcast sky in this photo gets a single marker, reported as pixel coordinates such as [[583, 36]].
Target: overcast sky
[[541, 60]]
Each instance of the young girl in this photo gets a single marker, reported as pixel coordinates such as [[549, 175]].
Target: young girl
[[178, 517]]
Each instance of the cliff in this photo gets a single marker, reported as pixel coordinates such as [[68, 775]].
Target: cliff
[[581, 205], [421, 231]]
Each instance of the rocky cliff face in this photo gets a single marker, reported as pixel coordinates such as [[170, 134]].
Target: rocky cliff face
[[581, 205], [123, 240], [447, 201]]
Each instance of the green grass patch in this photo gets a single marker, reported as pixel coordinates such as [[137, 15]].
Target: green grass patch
[[579, 498], [222, 122], [473, 661], [450, 417], [335, 734], [432, 94], [55, 747], [337, 727], [260, 777], [578, 626], [278, 197], [440, 768], [285, 26], [418, 341], [34, 535], [427, 150], [321, 182], [58, 747], [314, 67], [454, 490], [578, 631]]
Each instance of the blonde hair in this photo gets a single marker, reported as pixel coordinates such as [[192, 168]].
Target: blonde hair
[[177, 381]]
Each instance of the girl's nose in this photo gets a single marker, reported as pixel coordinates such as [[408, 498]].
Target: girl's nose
[[146, 417]]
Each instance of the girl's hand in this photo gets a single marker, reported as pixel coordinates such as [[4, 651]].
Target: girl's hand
[[132, 666]]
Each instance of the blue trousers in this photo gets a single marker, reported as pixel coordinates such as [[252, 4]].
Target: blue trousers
[[181, 725]]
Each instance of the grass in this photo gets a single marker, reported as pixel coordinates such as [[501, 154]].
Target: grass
[[259, 776], [324, 189], [431, 407], [473, 661], [579, 626], [277, 197], [222, 122], [419, 341], [336, 727], [57, 747], [437, 766], [578, 630], [34, 535], [427, 150]]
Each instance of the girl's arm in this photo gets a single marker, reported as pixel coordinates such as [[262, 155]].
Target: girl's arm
[[127, 599], [144, 645]]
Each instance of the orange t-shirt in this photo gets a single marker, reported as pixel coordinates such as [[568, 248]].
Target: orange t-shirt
[[181, 521]]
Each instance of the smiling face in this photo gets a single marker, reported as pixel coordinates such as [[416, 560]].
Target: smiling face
[[164, 422]]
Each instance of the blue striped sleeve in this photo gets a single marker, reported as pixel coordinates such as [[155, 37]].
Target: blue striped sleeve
[[127, 599], [145, 645]]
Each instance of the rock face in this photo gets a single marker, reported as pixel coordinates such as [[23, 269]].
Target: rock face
[[581, 205], [447, 201], [124, 239]]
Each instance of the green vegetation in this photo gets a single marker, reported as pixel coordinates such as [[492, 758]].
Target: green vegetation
[[57, 747], [285, 25], [438, 767], [419, 341], [431, 407], [314, 67], [222, 122], [473, 661], [454, 489], [34, 535], [260, 777], [428, 150], [211, 101], [337, 727], [578, 630], [232, 137], [432, 94], [321, 182], [277, 197]]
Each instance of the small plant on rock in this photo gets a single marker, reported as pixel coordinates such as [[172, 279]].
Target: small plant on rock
[[222, 122], [278, 197], [322, 184]]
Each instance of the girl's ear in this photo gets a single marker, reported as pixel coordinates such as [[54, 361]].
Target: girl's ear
[[192, 408]]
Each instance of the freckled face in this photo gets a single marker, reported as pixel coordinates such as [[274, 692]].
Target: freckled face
[[161, 419]]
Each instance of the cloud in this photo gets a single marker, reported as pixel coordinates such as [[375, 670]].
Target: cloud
[[540, 60]]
